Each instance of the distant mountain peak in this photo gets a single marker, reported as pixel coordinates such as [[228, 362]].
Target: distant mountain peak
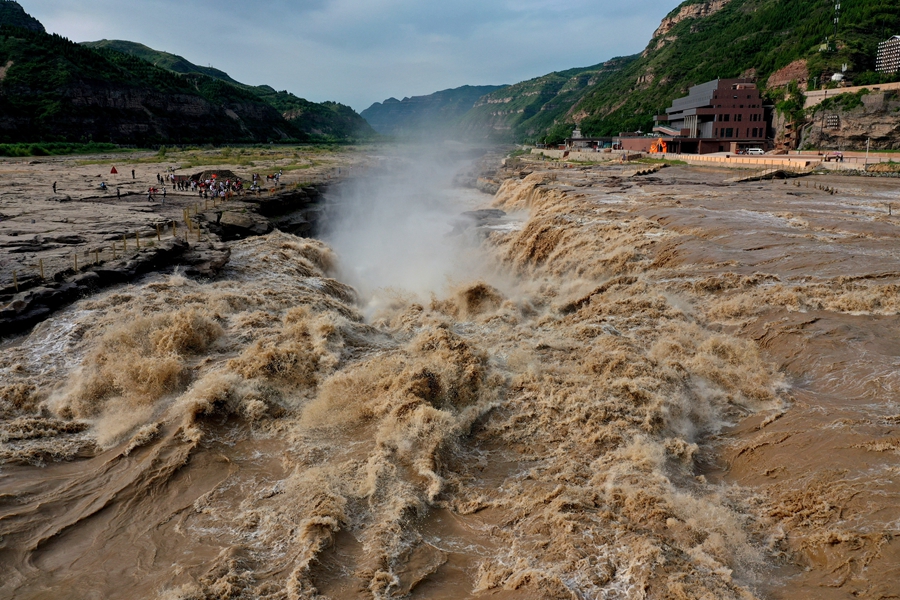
[[434, 112], [12, 14]]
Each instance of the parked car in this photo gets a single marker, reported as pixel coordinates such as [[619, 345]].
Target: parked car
[[756, 151]]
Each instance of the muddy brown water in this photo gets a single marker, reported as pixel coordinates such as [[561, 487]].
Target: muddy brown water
[[664, 387]]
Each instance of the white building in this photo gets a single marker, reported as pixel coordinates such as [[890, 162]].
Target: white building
[[888, 60]]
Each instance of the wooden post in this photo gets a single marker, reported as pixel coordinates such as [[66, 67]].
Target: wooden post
[[158, 235], [16, 280], [96, 257], [137, 240], [75, 256], [124, 243], [114, 250], [41, 263], [206, 204]]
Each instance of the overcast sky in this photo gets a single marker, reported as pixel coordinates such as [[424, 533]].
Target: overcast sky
[[362, 51]]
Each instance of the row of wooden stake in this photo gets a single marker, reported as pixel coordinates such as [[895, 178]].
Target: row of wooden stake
[[137, 242]]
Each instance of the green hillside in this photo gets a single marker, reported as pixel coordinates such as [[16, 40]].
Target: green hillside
[[755, 37], [326, 121], [533, 108], [164, 60], [697, 42], [56, 90], [437, 112]]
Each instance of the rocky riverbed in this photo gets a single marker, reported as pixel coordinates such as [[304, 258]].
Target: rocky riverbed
[[63, 237]]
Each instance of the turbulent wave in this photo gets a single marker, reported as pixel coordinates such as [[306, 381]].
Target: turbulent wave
[[537, 434]]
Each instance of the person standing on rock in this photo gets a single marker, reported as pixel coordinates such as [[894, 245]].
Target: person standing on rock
[[132, 173], [118, 194], [164, 195], [54, 187]]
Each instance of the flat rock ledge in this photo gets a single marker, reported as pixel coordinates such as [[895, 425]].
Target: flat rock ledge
[[28, 308]]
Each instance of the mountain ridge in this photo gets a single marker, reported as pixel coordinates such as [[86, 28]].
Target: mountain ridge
[[773, 41], [315, 119], [12, 14], [439, 111], [54, 90]]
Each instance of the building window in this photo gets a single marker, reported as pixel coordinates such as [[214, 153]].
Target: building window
[[738, 117], [729, 132], [726, 117]]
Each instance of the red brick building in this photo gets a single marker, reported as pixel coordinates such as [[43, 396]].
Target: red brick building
[[723, 115]]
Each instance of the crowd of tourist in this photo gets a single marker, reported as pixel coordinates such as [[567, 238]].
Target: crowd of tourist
[[212, 187]]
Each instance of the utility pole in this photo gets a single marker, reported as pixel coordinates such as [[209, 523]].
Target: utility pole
[[837, 18]]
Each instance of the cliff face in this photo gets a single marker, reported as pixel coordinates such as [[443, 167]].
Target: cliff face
[[848, 123], [97, 111], [796, 71], [691, 11]]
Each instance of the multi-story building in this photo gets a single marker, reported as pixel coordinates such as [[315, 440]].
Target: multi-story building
[[888, 60], [717, 116]]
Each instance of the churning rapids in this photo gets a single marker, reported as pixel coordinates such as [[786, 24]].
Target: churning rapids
[[625, 388]]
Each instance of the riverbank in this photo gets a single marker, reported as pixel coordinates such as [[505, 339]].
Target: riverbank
[[62, 237]]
